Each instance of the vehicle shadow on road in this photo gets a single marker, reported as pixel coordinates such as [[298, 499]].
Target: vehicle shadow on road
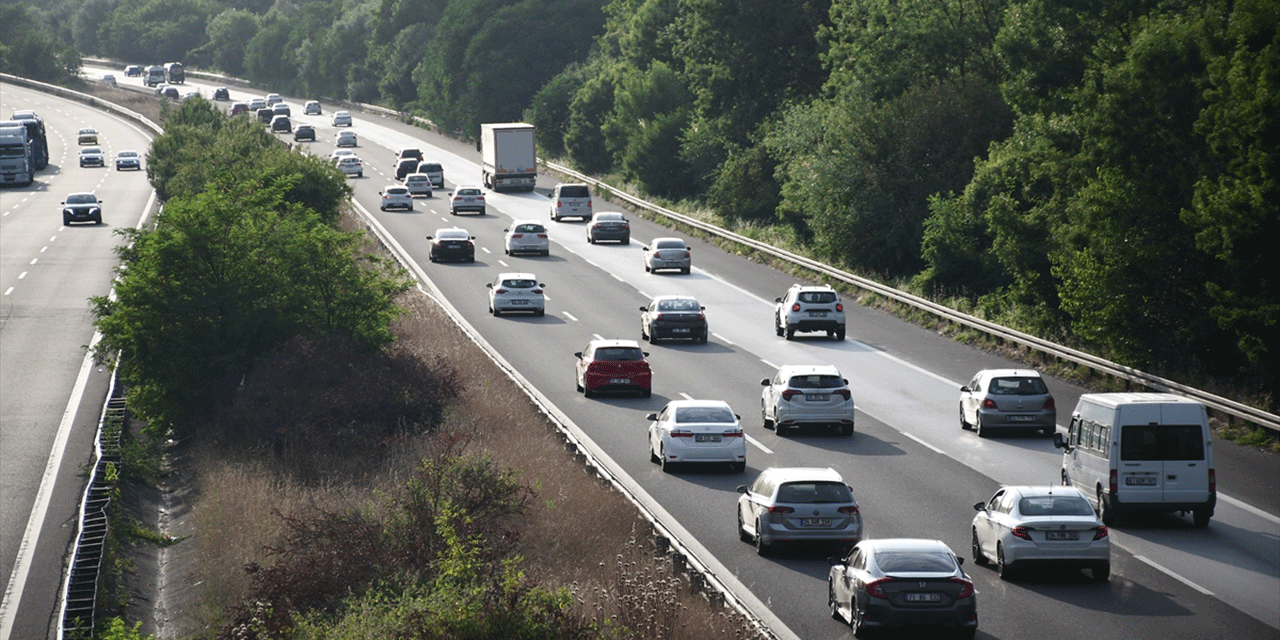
[[1076, 589]]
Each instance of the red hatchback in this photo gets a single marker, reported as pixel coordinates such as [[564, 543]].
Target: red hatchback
[[613, 365]]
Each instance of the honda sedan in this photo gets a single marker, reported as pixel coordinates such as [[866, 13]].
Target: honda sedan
[[1050, 525], [895, 583]]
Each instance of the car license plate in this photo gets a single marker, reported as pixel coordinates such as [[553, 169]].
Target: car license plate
[[817, 314], [1146, 481], [817, 397], [679, 331], [924, 597], [1062, 535], [706, 437], [519, 302], [1021, 418], [815, 522], [619, 380]]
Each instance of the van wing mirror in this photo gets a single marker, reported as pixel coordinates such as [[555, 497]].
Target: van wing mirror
[[1060, 441]]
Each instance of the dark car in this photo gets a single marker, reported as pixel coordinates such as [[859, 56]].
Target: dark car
[[281, 123], [609, 225], [893, 583], [304, 132], [82, 207], [133, 70], [452, 244], [238, 108], [673, 318], [406, 166], [221, 93], [266, 114], [171, 93], [613, 365]]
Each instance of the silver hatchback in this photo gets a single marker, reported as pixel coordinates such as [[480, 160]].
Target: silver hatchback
[[798, 504], [1008, 400]]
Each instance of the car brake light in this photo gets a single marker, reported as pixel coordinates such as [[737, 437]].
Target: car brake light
[[989, 404], [781, 509], [655, 254], [795, 307], [681, 433], [1021, 532], [517, 235], [1049, 404], [499, 290], [966, 587], [875, 588], [542, 235], [839, 307], [1100, 533], [480, 197], [686, 254], [849, 509], [845, 393], [1113, 486], [789, 394], [537, 290], [732, 434], [626, 225]]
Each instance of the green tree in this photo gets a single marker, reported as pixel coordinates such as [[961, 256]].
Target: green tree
[[230, 33]]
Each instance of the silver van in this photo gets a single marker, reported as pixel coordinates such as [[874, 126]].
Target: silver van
[[1140, 452], [570, 201]]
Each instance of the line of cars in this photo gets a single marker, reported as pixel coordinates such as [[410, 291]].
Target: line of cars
[[85, 206]]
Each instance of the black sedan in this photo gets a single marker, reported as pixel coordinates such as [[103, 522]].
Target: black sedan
[[894, 583], [673, 318], [452, 244]]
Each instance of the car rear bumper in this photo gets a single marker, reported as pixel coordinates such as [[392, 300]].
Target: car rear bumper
[[600, 382], [880, 614], [1084, 555], [817, 324], [1042, 419]]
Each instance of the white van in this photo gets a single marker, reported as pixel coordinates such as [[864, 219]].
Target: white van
[[1132, 452]]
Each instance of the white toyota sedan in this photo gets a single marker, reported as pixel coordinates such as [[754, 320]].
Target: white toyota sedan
[[697, 431]]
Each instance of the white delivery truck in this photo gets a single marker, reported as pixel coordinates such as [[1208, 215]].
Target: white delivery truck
[[509, 156], [1140, 452], [17, 161]]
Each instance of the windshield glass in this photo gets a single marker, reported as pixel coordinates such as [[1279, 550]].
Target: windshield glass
[[814, 492], [1055, 506], [81, 198], [910, 561], [704, 414]]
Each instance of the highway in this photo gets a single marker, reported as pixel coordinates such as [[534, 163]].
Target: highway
[[50, 394], [914, 471]]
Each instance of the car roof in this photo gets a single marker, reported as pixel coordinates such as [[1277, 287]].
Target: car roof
[[605, 343], [676, 404], [465, 186], [517, 275], [667, 239], [394, 186], [904, 544], [812, 287], [1043, 490], [809, 369], [420, 176], [796, 474], [81, 193], [447, 229], [88, 130], [674, 297], [601, 214], [524, 221], [127, 151], [1009, 373]]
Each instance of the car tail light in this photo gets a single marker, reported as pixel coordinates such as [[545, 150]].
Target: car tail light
[[1213, 481], [517, 235], [542, 235], [655, 254], [839, 307], [626, 225], [733, 434], [849, 510], [1100, 533], [480, 197], [845, 393], [875, 588], [658, 317], [1049, 404], [686, 254], [1114, 486], [966, 587], [681, 433], [499, 290], [789, 394], [537, 290], [989, 404], [1021, 532], [781, 509], [559, 204]]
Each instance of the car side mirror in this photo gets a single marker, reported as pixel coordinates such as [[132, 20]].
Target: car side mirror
[[702, 308], [777, 299], [764, 382], [542, 285], [979, 506], [965, 389], [1060, 441], [835, 560], [737, 417], [646, 353], [742, 488], [960, 561], [488, 285], [846, 380], [652, 416], [429, 238], [577, 354], [644, 308], [506, 230], [551, 195]]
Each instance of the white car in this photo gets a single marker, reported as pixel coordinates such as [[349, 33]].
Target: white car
[[341, 119], [128, 159], [666, 253], [516, 292], [800, 395], [696, 431], [419, 184], [526, 236], [809, 308], [351, 165], [273, 98], [1051, 525], [346, 139], [312, 108], [92, 157], [395, 197], [341, 153], [257, 103], [798, 504]]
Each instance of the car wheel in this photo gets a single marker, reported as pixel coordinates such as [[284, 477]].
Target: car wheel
[[646, 393], [540, 313], [667, 465], [1003, 568], [978, 428], [1101, 571], [496, 312], [1066, 480], [471, 258], [790, 333], [1201, 517], [98, 220], [855, 621], [764, 418], [762, 549], [831, 603], [66, 221], [976, 550], [964, 424], [653, 457], [578, 385], [685, 271], [626, 241], [742, 531], [777, 326], [586, 391], [702, 339], [1104, 513], [590, 240], [506, 251], [840, 335], [646, 268]]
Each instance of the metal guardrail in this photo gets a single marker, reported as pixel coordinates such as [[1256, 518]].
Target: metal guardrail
[[1222, 405]]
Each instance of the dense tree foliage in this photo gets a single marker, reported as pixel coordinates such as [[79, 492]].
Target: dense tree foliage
[[29, 47]]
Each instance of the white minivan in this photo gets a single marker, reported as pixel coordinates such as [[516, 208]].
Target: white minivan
[[1132, 452]]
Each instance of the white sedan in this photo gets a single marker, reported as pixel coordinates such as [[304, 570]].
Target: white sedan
[[341, 119], [516, 292], [695, 431], [1051, 525]]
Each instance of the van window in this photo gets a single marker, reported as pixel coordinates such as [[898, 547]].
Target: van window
[[1162, 442], [574, 191]]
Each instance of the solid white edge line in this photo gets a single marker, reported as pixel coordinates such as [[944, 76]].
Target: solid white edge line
[[686, 396], [1158, 567], [769, 363], [924, 444], [1269, 517], [722, 338]]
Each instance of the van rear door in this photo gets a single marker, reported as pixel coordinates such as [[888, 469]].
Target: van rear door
[[1188, 453], [1140, 470], [1163, 463]]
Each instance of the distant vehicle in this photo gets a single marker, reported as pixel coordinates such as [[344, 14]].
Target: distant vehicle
[[257, 103], [798, 505], [174, 73], [351, 165], [340, 119], [395, 197], [108, 79], [221, 93], [190, 93], [410, 152], [273, 98], [1051, 525], [132, 70], [265, 115], [673, 317], [570, 201], [304, 132], [405, 166], [890, 583], [418, 184], [17, 158], [346, 139], [281, 124], [171, 92], [666, 253], [87, 135], [1007, 400], [92, 157], [807, 395], [452, 244], [526, 236], [339, 153], [508, 156], [281, 109], [238, 108], [434, 171], [809, 308], [36, 134], [609, 225], [128, 160], [312, 108], [516, 292], [81, 207], [696, 431], [466, 199], [613, 365], [154, 76]]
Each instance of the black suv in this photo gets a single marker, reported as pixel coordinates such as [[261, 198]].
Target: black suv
[[281, 123], [81, 207], [221, 93], [304, 132]]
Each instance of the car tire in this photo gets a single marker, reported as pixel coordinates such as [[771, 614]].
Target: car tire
[[1105, 514], [978, 428], [762, 549], [790, 333], [964, 424], [590, 240], [859, 630], [702, 339], [98, 220], [667, 466], [577, 385], [646, 268], [1101, 571], [831, 603], [742, 531], [588, 392], [66, 221], [1200, 517], [655, 458], [685, 271], [777, 326], [764, 418], [1066, 480], [646, 393], [1003, 568], [976, 550], [840, 335], [626, 241], [506, 251], [540, 312]]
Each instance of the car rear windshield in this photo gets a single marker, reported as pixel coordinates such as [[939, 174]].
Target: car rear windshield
[[915, 561], [814, 492], [610, 217], [453, 235], [1018, 387], [619, 353], [670, 244], [1055, 506], [530, 228], [1161, 442], [574, 191], [429, 167], [817, 297], [520, 283], [679, 305], [704, 414], [410, 153], [816, 381], [468, 192]]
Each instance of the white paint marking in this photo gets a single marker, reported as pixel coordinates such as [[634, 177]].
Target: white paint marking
[[924, 444], [503, 263], [569, 316], [1272, 518], [617, 277], [686, 396], [8, 291], [758, 444], [22, 275], [1175, 576], [485, 249], [769, 363], [44, 249], [722, 338], [34, 260]]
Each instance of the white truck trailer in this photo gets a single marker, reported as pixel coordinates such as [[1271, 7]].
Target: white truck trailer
[[509, 155], [17, 159]]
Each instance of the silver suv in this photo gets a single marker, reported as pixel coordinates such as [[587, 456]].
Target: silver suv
[[799, 395], [809, 308]]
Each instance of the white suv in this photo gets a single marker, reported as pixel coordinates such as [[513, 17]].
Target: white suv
[[799, 395], [395, 196], [809, 308]]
